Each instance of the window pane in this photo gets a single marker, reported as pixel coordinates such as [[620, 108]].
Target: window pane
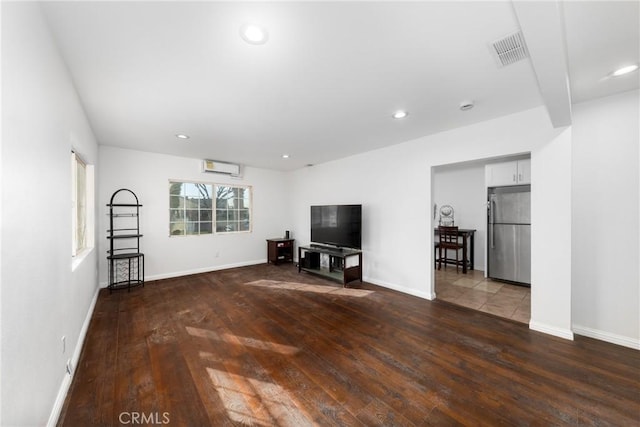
[[233, 213], [176, 228], [206, 228], [191, 228], [176, 215], [176, 202], [205, 204], [191, 203], [205, 215], [222, 194], [190, 189], [175, 188], [191, 214], [205, 191], [81, 203], [79, 208], [244, 203]]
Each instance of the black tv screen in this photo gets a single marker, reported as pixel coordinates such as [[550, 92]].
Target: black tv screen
[[337, 225]]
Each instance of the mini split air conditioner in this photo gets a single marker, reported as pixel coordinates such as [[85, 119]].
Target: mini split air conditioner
[[215, 166]]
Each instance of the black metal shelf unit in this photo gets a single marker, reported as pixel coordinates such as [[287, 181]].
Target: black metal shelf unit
[[126, 262]]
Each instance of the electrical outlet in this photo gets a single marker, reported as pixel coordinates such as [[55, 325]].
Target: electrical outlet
[[64, 344]]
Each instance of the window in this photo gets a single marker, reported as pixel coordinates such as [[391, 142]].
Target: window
[[81, 199], [191, 208], [232, 209]]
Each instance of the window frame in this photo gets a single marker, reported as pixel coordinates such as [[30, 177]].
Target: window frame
[[78, 205], [213, 209], [80, 250]]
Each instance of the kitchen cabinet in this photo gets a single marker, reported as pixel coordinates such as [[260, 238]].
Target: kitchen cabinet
[[515, 172]]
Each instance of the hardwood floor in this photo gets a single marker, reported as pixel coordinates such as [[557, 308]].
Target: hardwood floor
[[267, 346]]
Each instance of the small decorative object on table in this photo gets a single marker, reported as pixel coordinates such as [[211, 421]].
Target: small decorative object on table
[[446, 216]]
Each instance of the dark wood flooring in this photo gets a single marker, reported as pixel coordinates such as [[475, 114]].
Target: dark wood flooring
[[267, 346]]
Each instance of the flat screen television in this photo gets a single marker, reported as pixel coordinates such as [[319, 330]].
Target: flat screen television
[[337, 225]]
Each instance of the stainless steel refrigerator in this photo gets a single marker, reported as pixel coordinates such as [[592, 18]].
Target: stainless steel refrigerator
[[509, 234]]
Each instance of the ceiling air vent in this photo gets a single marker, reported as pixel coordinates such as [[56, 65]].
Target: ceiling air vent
[[510, 49]]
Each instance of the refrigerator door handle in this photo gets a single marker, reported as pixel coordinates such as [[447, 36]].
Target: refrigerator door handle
[[492, 206]]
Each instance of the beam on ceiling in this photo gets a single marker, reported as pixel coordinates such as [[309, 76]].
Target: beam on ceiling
[[542, 25]]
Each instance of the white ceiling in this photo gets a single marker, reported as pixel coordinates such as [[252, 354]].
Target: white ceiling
[[329, 78], [602, 36]]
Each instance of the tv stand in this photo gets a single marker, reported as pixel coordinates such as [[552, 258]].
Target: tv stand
[[329, 248], [309, 260]]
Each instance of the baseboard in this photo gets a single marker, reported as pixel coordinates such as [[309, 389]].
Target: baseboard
[[426, 295], [75, 358], [551, 330], [59, 403], [197, 271], [607, 336], [203, 270]]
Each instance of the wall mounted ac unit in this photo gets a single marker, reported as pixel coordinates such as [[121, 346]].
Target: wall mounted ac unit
[[215, 166]]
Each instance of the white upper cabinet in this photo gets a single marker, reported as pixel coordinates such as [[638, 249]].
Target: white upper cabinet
[[515, 172], [524, 171]]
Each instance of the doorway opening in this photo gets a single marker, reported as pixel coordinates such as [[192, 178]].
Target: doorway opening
[[463, 188]]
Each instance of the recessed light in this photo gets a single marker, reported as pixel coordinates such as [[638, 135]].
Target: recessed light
[[625, 70], [400, 114], [254, 34], [466, 105], [285, 156], [182, 136]]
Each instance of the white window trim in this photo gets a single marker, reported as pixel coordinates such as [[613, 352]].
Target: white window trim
[[213, 213], [78, 256]]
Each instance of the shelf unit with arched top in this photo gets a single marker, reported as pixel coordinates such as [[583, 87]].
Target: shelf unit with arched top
[[125, 261]]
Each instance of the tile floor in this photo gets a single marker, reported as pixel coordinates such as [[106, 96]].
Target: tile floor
[[474, 291]]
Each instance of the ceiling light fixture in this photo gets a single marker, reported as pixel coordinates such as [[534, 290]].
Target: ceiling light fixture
[[624, 70], [254, 34], [285, 156], [400, 114], [182, 136]]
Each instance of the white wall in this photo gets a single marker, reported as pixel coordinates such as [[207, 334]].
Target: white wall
[[394, 186], [551, 237], [42, 298], [1, 210], [148, 175], [461, 185], [606, 280]]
